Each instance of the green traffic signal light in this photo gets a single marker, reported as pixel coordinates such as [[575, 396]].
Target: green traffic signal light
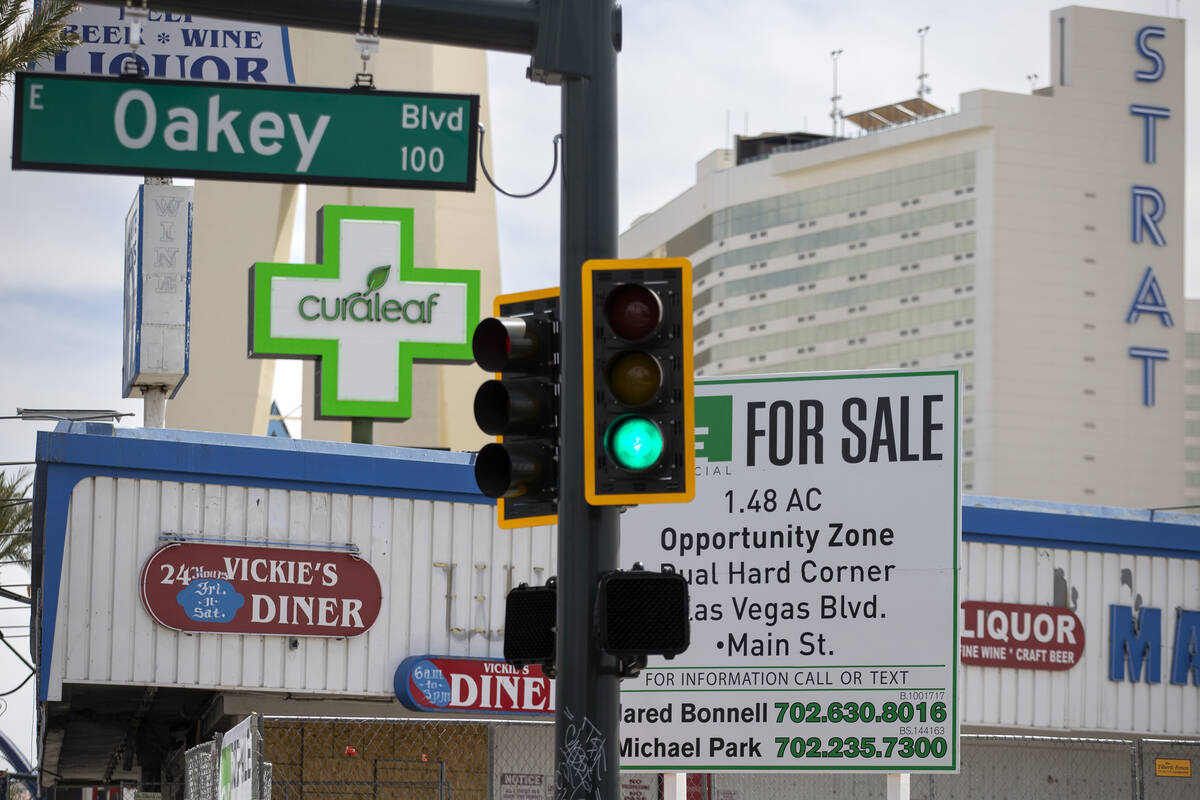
[[638, 423], [634, 443]]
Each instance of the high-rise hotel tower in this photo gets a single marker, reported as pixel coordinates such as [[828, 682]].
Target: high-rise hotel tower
[[1033, 241]]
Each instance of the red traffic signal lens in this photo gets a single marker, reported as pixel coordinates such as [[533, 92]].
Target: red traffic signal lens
[[633, 311], [502, 343], [634, 377], [514, 470], [492, 344]]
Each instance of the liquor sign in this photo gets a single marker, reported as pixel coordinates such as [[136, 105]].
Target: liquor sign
[[174, 46], [476, 685], [365, 313], [235, 131], [821, 551], [158, 288], [1020, 636], [208, 588]]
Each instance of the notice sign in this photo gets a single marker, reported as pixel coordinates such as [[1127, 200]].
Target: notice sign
[[639, 787], [1172, 768], [822, 553], [523, 786]]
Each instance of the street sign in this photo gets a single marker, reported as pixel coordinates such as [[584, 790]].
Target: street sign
[[283, 134], [365, 313], [822, 554]]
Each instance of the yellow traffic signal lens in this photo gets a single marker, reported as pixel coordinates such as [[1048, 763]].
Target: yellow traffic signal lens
[[634, 443], [635, 377], [633, 311]]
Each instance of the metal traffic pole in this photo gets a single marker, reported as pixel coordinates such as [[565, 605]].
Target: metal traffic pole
[[587, 714]]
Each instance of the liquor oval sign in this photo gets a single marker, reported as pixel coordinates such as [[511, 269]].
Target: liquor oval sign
[[1020, 636], [206, 588]]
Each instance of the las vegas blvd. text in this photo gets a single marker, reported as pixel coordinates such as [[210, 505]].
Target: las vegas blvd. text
[[821, 553]]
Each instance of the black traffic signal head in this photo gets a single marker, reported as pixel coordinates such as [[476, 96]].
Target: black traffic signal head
[[639, 439], [530, 614], [520, 407], [641, 613]]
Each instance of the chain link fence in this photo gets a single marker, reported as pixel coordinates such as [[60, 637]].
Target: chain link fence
[[317, 758], [212, 769], [386, 759]]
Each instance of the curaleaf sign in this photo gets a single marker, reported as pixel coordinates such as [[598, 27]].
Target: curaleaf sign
[[475, 685], [207, 588], [365, 313]]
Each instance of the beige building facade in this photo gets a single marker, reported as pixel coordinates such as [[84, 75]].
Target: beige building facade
[[1033, 241], [237, 224]]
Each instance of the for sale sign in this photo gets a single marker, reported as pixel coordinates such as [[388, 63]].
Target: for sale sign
[[822, 553]]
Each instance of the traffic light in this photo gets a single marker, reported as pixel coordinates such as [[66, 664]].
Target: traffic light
[[530, 614], [641, 613], [638, 435], [520, 407]]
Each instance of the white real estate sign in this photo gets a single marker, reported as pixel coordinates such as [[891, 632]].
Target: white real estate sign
[[238, 754], [822, 555]]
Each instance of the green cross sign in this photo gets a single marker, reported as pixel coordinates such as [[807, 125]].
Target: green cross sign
[[364, 313]]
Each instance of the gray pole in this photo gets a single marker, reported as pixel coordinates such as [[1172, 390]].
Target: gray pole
[[587, 717]]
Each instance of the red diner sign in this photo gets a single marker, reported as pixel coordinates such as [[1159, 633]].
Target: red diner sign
[[209, 588], [1020, 636], [477, 685]]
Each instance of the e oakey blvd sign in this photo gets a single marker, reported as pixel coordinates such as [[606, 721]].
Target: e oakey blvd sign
[[822, 555], [284, 134]]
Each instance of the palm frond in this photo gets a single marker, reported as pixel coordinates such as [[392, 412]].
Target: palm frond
[[10, 14], [40, 37], [15, 517]]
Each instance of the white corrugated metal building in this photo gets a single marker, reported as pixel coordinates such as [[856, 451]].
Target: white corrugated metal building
[[119, 693]]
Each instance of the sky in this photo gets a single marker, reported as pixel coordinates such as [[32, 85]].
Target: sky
[[691, 75]]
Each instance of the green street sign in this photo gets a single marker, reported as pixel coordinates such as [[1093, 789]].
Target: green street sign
[[282, 134], [364, 313]]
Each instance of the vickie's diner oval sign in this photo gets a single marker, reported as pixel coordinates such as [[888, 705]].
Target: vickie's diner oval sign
[[208, 588]]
